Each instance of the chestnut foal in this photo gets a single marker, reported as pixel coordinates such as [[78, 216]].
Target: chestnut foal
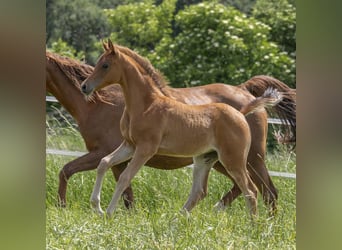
[[154, 124]]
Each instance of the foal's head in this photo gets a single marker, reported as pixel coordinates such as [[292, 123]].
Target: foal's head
[[107, 70]]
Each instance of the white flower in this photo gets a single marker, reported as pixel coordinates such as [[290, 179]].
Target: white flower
[[238, 19]]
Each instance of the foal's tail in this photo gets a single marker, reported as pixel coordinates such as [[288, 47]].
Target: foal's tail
[[269, 98], [285, 109]]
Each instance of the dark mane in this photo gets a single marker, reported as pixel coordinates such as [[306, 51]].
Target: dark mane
[[77, 72], [157, 77], [73, 69]]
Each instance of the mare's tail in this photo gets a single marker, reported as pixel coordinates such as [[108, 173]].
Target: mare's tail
[[285, 109]]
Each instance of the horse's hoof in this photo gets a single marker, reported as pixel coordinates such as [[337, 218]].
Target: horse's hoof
[[219, 206]]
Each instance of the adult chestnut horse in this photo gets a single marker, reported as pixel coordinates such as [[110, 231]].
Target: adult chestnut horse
[[62, 80], [155, 124]]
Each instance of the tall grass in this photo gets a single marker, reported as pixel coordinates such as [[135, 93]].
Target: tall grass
[[155, 222]]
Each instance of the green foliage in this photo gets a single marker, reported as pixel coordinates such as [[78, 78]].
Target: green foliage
[[79, 23], [62, 48], [111, 4], [141, 26], [203, 43], [220, 44], [280, 15], [244, 6]]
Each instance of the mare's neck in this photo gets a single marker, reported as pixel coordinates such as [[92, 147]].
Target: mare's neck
[[69, 96], [139, 89]]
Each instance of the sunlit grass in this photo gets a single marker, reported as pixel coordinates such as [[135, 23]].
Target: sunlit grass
[[155, 222]]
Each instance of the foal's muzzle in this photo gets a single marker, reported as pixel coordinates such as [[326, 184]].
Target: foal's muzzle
[[84, 88]]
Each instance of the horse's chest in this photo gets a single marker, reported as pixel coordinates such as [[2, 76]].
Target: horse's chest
[[131, 130]]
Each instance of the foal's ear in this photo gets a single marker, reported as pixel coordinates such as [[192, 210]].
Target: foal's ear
[[105, 46], [111, 47]]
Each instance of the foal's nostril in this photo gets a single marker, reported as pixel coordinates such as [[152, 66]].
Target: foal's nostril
[[84, 88]]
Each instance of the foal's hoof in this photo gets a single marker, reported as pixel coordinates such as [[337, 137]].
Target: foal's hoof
[[97, 209]]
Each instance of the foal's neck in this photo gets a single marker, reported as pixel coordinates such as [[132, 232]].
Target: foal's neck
[[138, 88]]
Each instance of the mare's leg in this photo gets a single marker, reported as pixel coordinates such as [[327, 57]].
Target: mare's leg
[[202, 166], [141, 155], [123, 153], [86, 162], [261, 178], [256, 159], [127, 195]]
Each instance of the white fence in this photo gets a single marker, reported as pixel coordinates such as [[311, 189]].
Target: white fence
[[78, 153]]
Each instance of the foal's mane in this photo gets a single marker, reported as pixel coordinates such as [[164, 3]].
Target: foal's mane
[[157, 77], [77, 72]]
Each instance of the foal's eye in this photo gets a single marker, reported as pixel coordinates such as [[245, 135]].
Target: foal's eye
[[105, 65]]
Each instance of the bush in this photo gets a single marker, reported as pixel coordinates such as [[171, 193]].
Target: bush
[[280, 15], [141, 26], [220, 44]]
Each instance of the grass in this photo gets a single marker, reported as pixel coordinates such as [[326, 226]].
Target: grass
[[155, 222]]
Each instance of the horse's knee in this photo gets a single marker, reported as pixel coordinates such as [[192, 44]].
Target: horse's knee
[[65, 174], [103, 166]]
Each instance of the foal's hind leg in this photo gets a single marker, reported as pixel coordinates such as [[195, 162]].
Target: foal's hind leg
[[232, 194], [236, 167], [202, 166]]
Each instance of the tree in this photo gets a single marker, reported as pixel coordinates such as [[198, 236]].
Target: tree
[[62, 48], [280, 15], [244, 6], [80, 23], [141, 26], [220, 44]]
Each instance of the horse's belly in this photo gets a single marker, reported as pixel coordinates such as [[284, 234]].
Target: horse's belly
[[182, 147]]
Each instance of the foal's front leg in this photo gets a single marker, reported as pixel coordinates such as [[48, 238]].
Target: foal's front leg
[[123, 153], [141, 155]]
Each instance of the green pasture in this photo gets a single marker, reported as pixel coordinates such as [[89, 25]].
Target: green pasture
[[156, 221]]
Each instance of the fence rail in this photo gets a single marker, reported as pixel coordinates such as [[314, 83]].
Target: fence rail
[[269, 120], [79, 153]]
